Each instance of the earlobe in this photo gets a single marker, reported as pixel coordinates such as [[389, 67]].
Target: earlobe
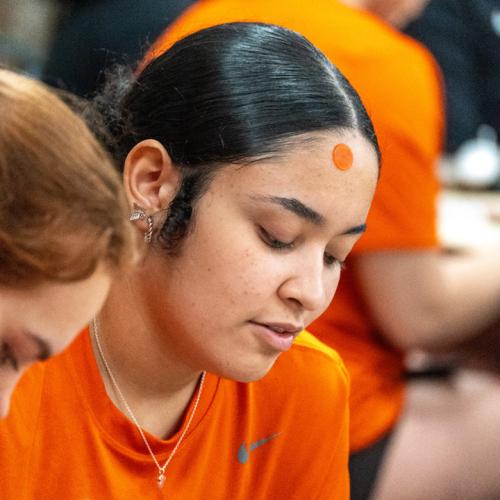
[[150, 178]]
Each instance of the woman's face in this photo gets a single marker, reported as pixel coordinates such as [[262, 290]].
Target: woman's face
[[263, 257], [38, 322]]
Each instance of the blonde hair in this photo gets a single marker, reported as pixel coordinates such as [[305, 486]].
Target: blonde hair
[[62, 209]]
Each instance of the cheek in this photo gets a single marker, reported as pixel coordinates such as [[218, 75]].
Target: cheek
[[232, 263], [240, 277]]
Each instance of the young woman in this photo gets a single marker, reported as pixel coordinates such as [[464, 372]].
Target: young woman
[[399, 292], [62, 228], [251, 164]]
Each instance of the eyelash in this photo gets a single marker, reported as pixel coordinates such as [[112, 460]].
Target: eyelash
[[7, 356], [329, 260], [273, 242]]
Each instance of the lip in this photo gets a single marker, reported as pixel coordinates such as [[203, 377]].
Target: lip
[[278, 336]]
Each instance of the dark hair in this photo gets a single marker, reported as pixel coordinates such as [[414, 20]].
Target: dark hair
[[232, 93]]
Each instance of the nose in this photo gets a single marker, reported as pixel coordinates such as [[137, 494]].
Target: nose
[[307, 284]]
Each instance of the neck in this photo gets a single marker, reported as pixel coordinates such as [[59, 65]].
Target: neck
[[156, 386]]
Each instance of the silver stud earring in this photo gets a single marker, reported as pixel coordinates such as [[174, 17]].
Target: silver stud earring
[[137, 214]]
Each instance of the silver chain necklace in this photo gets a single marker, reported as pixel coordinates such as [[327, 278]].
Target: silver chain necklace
[[161, 468]]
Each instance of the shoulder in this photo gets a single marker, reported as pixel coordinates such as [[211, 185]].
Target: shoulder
[[310, 374], [303, 402], [308, 347], [308, 380], [308, 387]]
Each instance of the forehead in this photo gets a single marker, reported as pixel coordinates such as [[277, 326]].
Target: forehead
[[306, 165], [306, 172]]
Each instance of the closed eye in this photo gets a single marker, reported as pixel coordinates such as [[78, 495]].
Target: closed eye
[[270, 240], [331, 261], [273, 242]]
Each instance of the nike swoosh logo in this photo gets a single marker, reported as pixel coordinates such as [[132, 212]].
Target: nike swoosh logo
[[244, 451]]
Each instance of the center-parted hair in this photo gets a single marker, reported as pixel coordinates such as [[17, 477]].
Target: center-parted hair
[[232, 93]]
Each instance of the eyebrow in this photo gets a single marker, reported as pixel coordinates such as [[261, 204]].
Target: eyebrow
[[44, 349], [295, 206], [303, 211]]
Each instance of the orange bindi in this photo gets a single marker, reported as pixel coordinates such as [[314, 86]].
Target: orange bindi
[[342, 156]]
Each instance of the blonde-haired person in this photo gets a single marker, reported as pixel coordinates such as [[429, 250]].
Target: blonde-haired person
[[63, 226]]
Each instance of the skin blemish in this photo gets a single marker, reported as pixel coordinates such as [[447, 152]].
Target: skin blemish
[[342, 156]]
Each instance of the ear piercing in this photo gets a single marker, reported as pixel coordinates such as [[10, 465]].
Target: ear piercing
[[148, 235], [139, 214]]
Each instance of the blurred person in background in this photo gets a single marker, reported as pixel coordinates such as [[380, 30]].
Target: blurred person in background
[[63, 227], [399, 291], [94, 35], [464, 36], [398, 13]]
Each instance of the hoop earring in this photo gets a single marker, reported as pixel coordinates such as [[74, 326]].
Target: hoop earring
[[140, 214]]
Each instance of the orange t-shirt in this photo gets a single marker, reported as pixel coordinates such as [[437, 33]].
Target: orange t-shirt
[[284, 436], [398, 82]]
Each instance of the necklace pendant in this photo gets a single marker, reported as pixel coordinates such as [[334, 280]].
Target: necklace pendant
[[161, 480]]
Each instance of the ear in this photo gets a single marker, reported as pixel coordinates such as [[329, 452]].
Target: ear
[[149, 176]]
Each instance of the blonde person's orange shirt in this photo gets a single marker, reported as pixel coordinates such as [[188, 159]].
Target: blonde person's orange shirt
[[283, 437], [399, 85]]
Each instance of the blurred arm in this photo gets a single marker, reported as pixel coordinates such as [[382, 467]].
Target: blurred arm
[[429, 300]]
